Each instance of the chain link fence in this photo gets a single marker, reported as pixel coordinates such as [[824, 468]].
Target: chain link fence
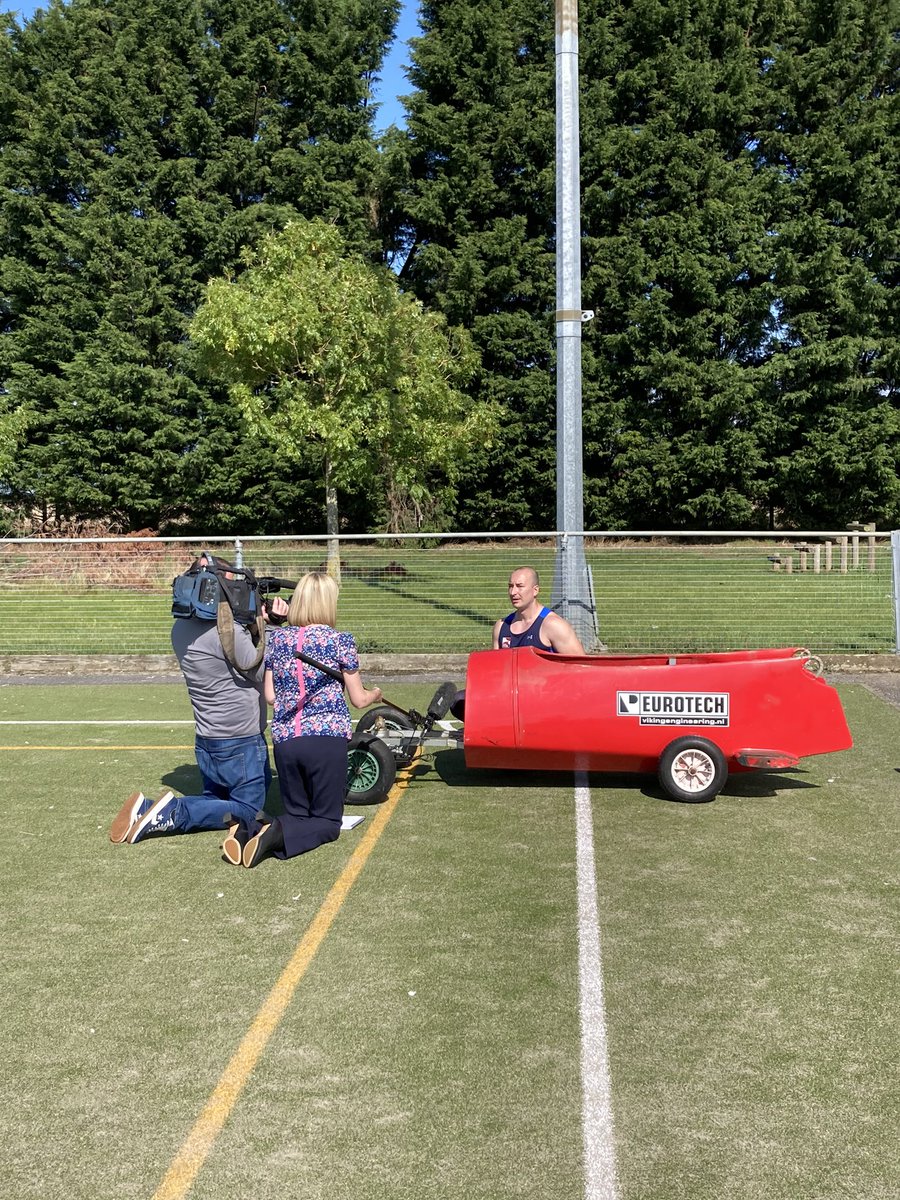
[[829, 591]]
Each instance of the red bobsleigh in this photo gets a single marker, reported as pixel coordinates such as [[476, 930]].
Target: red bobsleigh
[[691, 718]]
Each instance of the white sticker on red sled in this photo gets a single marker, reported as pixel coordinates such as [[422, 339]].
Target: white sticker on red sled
[[675, 708]]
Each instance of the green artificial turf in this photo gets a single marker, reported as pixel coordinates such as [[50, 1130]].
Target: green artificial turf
[[432, 1048]]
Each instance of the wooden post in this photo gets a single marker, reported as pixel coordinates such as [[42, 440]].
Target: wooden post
[[842, 542], [855, 528], [789, 559], [817, 560], [828, 556], [870, 529]]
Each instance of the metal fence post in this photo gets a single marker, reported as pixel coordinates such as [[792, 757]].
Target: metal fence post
[[895, 590], [571, 589]]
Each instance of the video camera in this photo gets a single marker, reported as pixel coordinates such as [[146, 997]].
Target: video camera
[[269, 584], [200, 590]]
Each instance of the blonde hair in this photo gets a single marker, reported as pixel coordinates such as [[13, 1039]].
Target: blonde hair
[[314, 601]]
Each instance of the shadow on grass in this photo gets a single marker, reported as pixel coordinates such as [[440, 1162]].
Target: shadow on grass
[[451, 767], [762, 783], [469, 614], [186, 781]]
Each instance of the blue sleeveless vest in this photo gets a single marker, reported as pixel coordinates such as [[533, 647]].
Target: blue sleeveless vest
[[531, 637]]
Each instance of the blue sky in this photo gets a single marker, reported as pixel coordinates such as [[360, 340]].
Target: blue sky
[[21, 8], [393, 81]]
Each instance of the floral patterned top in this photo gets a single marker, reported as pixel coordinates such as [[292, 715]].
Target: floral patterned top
[[307, 701]]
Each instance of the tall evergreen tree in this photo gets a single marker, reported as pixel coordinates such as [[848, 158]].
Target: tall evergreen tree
[[673, 253], [677, 424], [689, 215], [477, 210], [142, 147], [834, 136]]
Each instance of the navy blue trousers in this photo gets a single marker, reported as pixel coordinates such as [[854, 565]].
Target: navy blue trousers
[[312, 776]]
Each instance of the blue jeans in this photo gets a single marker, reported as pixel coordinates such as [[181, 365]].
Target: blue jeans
[[236, 777]]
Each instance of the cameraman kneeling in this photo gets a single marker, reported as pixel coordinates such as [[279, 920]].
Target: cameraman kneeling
[[230, 714]]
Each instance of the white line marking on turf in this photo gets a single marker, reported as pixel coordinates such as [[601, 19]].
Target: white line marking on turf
[[599, 1145], [96, 722]]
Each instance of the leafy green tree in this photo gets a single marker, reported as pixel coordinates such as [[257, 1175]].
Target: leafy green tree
[[325, 355], [12, 428]]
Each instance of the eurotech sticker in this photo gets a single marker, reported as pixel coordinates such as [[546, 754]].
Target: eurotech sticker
[[675, 708]]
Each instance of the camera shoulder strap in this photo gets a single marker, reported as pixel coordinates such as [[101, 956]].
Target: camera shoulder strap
[[225, 625]]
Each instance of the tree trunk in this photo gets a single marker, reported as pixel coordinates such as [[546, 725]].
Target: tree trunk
[[331, 526]]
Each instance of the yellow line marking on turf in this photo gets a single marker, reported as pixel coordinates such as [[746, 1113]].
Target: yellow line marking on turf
[[208, 1125]]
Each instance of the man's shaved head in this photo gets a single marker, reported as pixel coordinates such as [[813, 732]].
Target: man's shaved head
[[534, 577]]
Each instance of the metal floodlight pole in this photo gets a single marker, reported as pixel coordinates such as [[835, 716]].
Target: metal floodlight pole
[[572, 590]]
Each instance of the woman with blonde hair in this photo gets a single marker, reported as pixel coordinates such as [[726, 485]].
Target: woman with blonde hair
[[311, 724]]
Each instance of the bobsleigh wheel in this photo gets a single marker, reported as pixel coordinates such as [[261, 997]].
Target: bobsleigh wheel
[[390, 719], [692, 769], [371, 771]]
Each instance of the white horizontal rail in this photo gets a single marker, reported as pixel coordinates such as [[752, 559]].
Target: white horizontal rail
[[761, 535]]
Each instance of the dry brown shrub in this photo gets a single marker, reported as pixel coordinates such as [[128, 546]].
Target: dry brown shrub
[[132, 563]]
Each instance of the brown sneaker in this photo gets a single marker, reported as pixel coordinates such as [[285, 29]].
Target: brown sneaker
[[126, 817]]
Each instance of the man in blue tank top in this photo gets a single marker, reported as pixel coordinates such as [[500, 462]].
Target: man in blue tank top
[[530, 624]]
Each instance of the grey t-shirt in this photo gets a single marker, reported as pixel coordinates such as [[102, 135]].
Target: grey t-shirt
[[226, 704]]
